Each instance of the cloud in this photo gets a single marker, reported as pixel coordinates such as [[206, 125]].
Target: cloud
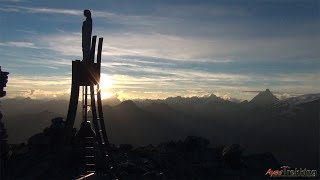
[[153, 61], [147, 45], [170, 64], [167, 38], [64, 44], [45, 10], [9, 9], [22, 82], [40, 87], [179, 48], [105, 15], [192, 83], [201, 10], [12, 0], [27, 31], [19, 44]]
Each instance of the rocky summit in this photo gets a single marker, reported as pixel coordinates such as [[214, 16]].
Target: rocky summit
[[44, 157]]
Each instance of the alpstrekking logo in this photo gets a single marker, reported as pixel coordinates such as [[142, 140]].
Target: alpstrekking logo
[[287, 171]]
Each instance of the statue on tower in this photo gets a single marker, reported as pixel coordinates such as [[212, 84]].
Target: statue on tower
[[86, 35]]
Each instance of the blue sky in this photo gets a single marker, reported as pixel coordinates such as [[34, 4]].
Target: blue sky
[[156, 49]]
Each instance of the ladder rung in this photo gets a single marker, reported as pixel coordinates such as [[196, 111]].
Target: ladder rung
[[89, 156], [88, 137], [90, 164], [86, 175], [88, 147]]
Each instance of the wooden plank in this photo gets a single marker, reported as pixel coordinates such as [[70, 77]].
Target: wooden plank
[[93, 49], [99, 55], [86, 176]]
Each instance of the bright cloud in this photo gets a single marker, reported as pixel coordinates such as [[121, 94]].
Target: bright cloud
[[19, 44]]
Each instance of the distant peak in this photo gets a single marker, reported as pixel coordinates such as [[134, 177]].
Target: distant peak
[[127, 104], [264, 98], [213, 96]]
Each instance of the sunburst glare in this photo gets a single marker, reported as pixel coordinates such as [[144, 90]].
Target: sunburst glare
[[105, 85]]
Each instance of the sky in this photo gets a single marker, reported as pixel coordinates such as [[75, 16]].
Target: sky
[[157, 49]]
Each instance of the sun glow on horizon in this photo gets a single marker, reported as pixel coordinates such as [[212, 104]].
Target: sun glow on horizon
[[106, 95], [106, 84]]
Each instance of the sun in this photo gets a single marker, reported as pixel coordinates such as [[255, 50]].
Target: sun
[[105, 85], [105, 81]]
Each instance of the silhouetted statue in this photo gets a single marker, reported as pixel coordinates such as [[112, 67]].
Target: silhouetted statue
[[86, 35]]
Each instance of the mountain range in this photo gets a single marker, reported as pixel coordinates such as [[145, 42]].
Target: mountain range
[[287, 128]]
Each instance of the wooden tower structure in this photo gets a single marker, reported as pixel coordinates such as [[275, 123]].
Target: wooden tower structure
[[92, 135]]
